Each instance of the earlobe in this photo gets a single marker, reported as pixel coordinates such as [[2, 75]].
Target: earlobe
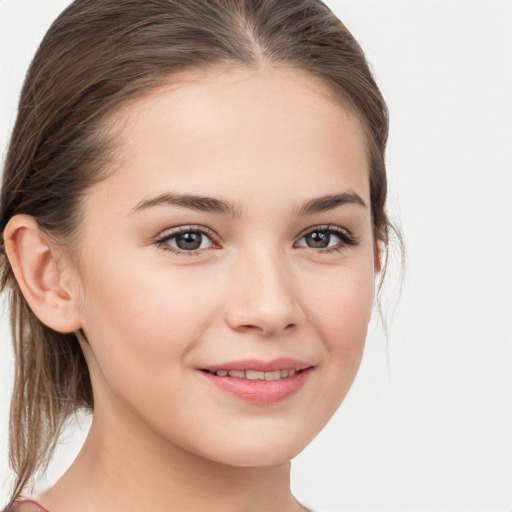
[[36, 269]]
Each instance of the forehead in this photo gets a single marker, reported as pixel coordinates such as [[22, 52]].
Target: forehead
[[253, 127]]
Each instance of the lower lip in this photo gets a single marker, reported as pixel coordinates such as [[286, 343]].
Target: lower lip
[[259, 391]]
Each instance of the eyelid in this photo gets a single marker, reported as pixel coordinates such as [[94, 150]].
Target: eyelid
[[345, 235], [326, 227], [170, 233]]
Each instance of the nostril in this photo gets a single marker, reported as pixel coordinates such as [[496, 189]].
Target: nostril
[[264, 316]]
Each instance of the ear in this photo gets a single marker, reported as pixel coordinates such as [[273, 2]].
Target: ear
[[35, 266]]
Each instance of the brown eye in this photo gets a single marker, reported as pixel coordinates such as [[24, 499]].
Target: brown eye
[[318, 239], [186, 241], [327, 237], [189, 241]]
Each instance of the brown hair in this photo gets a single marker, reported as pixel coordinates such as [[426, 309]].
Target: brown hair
[[97, 55]]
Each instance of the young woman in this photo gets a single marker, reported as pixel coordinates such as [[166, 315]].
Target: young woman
[[193, 217]]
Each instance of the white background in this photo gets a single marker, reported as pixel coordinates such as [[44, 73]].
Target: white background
[[427, 425]]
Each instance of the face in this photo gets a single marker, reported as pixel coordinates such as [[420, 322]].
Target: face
[[227, 265]]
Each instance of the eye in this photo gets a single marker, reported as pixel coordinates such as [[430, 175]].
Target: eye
[[185, 240], [327, 238]]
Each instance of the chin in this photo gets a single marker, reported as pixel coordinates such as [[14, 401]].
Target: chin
[[260, 449], [257, 457]]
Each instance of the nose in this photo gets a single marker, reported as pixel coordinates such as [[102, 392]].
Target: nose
[[264, 299]]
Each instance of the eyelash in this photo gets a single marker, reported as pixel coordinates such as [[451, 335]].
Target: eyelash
[[345, 237], [162, 242]]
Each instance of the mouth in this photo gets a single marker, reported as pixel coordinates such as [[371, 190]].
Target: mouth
[[258, 382], [255, 374]]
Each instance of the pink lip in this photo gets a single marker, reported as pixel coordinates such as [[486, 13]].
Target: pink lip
[[260, 391]]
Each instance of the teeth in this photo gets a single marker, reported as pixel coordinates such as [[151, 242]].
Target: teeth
[[237, 373], [254, 375], [273, 375], [257, 375]]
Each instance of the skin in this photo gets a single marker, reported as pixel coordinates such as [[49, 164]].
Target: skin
[[266, 141]]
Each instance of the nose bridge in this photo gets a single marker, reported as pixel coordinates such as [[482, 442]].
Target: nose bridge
[[265, 295]]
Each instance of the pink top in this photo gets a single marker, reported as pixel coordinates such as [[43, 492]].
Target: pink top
[[26, 505]]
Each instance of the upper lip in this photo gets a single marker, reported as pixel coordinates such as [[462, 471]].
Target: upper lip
[[282, 363]]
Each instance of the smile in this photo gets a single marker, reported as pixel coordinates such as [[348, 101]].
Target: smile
[[259, 382], [255, 374]]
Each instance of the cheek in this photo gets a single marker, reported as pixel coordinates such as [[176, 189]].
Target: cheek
[[342, 304], [152, 315], [338, 309], [142, 327], [341, 314]]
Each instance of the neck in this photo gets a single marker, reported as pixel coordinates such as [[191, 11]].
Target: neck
[[124, 468]]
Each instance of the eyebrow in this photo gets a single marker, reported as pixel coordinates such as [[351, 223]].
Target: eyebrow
[[193, 202], [330, 202], [218, 206]]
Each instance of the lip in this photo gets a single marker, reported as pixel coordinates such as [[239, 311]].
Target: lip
[[259, 392], [281, 363]]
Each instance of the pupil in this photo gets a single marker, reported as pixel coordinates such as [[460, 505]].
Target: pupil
[[318, 239], [189, 241]]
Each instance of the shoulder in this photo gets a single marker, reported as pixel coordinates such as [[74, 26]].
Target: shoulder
[[26, 505]]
